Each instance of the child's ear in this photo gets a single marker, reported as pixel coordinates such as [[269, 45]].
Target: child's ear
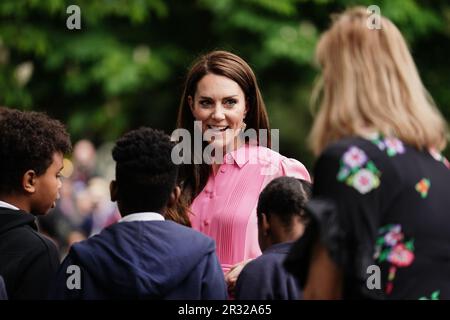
[[265, 224], [174, 196], [113, 189], [29, 181]]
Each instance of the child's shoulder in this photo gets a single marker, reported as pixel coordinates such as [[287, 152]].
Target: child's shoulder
[[181, 232], [33, 241], [265, 263]]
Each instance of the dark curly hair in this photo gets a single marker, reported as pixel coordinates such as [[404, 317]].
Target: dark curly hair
[[145, 173], [284, 197], [28, 141]]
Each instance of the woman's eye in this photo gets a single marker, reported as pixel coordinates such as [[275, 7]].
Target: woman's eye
[[205, 103], [230, 102]]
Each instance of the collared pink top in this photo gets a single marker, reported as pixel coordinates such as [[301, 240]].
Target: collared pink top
[[225, 210]]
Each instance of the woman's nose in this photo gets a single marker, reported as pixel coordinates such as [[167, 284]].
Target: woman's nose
[[218, 113]]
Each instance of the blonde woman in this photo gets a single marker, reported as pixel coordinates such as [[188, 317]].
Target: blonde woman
[[381, 220]]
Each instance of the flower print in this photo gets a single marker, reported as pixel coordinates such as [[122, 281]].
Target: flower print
[[390, 227], [393, 236], [343, 173], [375, 138], [380, 144], [391, 274], [391, 246], [434, 296], [394, 146], [391, 277], [389, 287], [423, 186], [372, 136], [358, 171], [391, 145], [354, 157], [364, 181], [401, 256]]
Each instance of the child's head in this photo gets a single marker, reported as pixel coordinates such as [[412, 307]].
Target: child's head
[[281, 210], [145, 173], [32, 147]]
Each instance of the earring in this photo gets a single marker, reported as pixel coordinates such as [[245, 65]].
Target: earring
[[243, 126]]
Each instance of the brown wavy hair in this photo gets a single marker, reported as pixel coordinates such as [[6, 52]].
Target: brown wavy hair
[[193, 177]]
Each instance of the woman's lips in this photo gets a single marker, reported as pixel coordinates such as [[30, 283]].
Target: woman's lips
[[217, 128]]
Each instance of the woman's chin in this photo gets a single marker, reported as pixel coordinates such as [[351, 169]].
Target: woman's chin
[[225, 145], [217, 145]]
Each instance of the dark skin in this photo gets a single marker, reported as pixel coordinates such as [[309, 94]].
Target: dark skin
[[16, 200], [325, 278], [271, 231], [124, 211], [38, 192]]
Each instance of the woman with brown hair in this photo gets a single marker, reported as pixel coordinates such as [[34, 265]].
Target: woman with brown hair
[[380, 224], [221, 93]]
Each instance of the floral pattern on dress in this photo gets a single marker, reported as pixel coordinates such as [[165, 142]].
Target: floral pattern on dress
[[358, 171], [391, 246], [423, 186], [391, 145], [433, 296], [354, 157]]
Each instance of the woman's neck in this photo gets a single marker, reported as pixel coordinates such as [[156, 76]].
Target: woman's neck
[[215, 168]]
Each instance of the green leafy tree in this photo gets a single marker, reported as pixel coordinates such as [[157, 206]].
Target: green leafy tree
[[125, 67]]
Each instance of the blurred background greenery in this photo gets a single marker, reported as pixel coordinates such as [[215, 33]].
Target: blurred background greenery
[[125, 67]]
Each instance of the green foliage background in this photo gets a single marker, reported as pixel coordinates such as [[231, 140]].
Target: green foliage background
[[126, 66]]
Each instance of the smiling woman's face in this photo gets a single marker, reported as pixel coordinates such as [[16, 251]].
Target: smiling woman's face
[[220, 104]]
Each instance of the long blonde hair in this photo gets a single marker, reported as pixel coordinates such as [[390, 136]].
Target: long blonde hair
[[369, 82]]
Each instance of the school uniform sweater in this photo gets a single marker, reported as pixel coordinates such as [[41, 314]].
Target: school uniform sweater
[[28, 260], [265, 278], [142, 260]]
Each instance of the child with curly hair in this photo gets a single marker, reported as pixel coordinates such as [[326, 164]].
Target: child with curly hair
[[32, 146]]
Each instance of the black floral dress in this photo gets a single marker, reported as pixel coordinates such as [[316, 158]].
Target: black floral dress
[[382, 208]]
